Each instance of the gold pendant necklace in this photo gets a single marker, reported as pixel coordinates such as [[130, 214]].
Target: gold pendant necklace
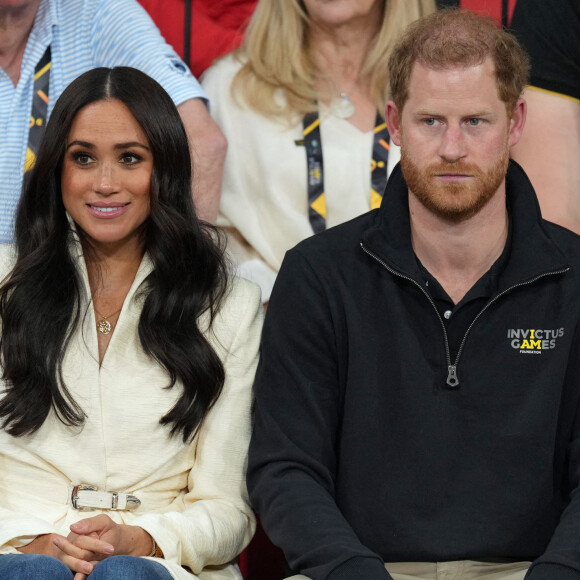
[[103, 325]]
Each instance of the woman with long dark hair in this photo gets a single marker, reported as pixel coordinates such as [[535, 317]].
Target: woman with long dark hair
[[127, 354]]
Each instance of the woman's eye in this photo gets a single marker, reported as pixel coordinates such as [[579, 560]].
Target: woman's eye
[[82, 158], [130, 158]]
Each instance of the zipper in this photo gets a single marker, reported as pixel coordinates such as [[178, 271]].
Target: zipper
[[452, 378]]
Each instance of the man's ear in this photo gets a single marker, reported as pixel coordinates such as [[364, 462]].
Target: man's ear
[[517, 121], [393, 120]]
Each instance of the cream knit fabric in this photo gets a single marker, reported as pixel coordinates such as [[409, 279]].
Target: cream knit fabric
[[194, 499]]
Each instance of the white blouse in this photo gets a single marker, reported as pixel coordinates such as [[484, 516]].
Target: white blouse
[[264, 204]]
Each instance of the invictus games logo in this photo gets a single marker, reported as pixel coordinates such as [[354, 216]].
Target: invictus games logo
[[534, 341]]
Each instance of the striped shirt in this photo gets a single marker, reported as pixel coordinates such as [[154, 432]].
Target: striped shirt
[[82, 34]]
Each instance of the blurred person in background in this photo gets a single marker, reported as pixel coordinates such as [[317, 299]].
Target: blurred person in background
[[214, 27], [500, 10], [301, 104], [549, 149]]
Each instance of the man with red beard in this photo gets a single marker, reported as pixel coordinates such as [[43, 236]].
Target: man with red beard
[[418, 396]]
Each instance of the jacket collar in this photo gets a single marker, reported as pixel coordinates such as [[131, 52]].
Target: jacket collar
[[45, 20], [533, 252]]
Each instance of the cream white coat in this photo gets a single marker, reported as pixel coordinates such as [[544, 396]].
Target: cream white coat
[[194, 499]]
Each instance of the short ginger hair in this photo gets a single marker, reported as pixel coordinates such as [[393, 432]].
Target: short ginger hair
[[454, 37]]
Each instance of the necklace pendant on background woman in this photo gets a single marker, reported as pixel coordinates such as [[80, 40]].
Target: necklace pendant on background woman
[[104, 326], [342, 107]]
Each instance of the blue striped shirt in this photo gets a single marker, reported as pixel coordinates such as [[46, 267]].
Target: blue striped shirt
[[82, 34]]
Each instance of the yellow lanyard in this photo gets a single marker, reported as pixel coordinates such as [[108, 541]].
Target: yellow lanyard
[[315, 167]]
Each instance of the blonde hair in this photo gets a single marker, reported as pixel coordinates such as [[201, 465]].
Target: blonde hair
[[275, 56]]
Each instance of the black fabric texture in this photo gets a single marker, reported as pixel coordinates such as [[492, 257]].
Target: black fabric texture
[[552, 572], [367, 568], [549, 30]]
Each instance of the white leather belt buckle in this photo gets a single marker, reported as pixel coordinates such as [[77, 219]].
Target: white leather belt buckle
[[88, 498]]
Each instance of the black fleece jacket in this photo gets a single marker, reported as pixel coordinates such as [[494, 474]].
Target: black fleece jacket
[[364, 453]]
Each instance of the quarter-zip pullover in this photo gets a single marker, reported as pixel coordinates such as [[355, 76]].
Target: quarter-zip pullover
[[374, 442]]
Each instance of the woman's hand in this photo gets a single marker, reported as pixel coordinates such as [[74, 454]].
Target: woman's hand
[[42, 544], [81, 553], [75, 558], [90, 541], [99, 537], [123, 539]]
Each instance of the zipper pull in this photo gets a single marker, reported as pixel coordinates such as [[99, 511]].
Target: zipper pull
[[452, 379]]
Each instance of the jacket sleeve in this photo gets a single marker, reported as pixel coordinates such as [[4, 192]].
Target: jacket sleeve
[[293, 460], [217, 521], [561, 559], [18, 529]]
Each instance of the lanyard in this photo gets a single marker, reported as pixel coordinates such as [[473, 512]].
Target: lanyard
[[315, 168], [39, 109], [187, 33], [504, 13]]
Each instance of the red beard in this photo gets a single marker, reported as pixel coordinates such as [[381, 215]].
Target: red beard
[[454, 201]]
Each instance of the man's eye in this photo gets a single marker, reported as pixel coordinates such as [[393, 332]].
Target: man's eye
[[474, 122], [430, 122]]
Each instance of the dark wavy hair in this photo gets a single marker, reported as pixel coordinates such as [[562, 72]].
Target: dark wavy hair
[[40, 300]]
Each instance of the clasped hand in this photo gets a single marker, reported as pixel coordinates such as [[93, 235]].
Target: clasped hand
[[90, 541]]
